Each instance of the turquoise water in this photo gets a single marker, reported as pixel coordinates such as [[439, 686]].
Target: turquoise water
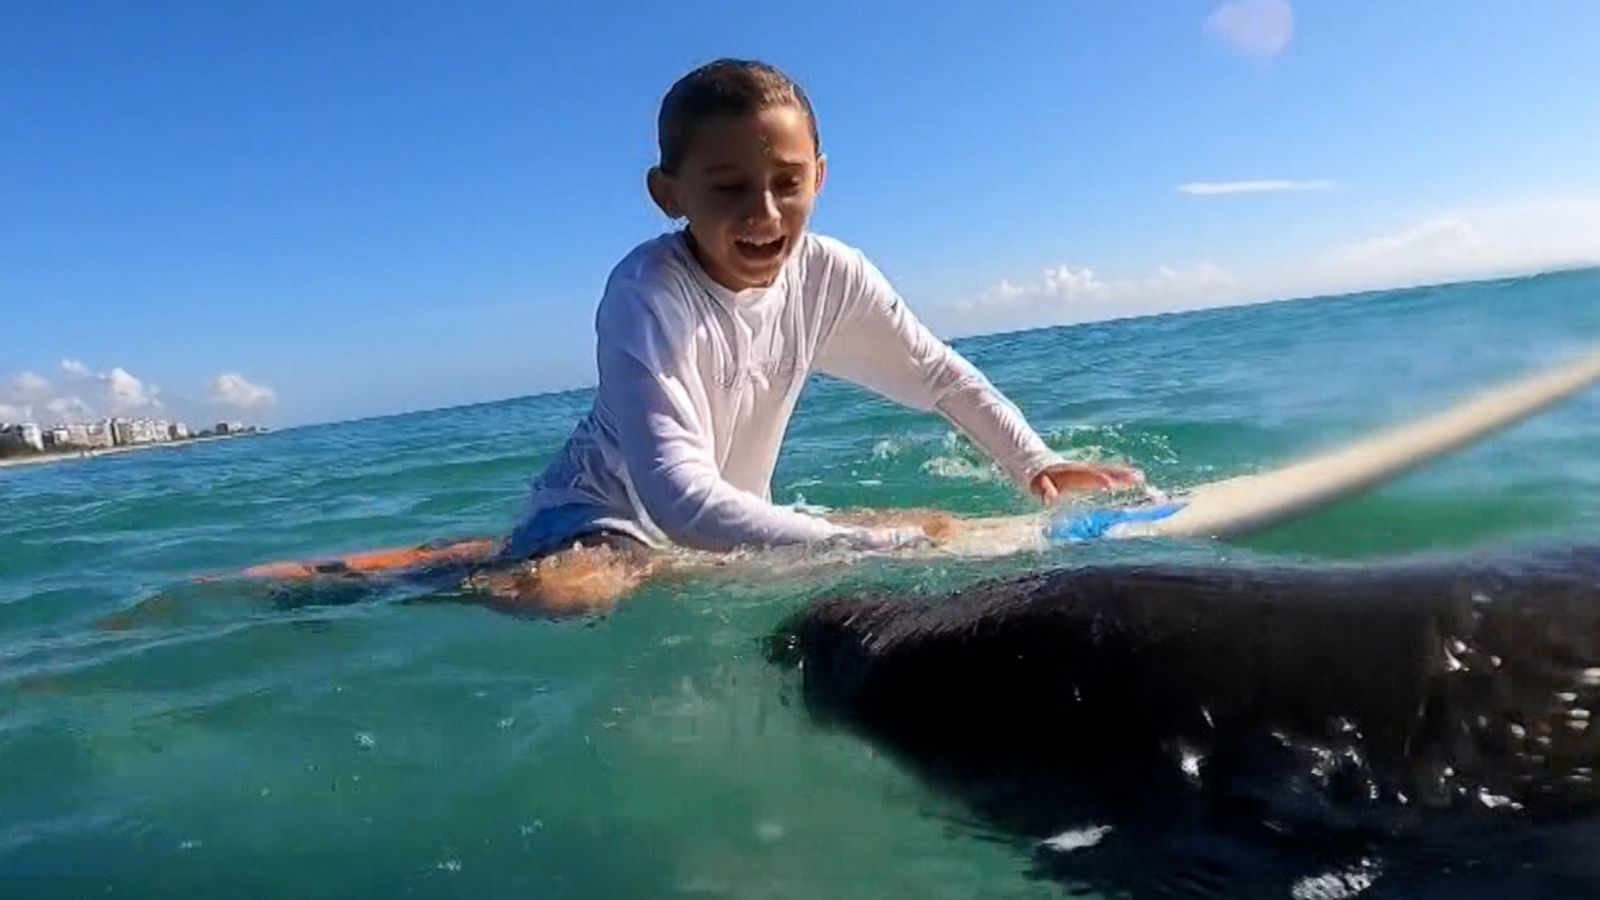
[[161, 735]]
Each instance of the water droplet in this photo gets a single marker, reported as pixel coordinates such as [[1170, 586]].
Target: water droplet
[[1189, 762], [189, 845], [769, 832], [1496, 801], [506, 722], [449, 865], [1078, 838], [1337, 885], [365, 740]]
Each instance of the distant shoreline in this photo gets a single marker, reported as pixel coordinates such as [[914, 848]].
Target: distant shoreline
[[84, 454]]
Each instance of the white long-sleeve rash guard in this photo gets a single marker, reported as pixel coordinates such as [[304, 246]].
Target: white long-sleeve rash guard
[[697, 384]]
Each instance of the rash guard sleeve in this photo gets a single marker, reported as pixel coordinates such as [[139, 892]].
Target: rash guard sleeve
[[876, 342], [655, 394]]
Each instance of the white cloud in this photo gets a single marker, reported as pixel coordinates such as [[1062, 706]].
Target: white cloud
[[1258, 28], [84, 394], [1501, 240], [233, 389], [69, 409], [19, 394], [1262, 186], [1486, 242], [25, 387], [1065, 294], [125, 393]]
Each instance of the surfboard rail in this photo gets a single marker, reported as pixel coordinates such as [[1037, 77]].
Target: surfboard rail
[[1250, 503]]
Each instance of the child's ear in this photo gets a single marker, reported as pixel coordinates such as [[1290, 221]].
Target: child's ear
[[822, 172], [664, 191]]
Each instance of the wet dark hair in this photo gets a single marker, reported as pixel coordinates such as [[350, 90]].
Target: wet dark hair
[[727, 87]]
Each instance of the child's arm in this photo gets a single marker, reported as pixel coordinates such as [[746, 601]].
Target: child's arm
[[989, 420], [660, 412], [876, 342]]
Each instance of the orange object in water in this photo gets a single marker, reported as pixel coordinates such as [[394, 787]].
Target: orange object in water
[[380, 562]]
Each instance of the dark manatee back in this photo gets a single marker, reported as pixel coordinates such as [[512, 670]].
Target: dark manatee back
[[1286, 719]]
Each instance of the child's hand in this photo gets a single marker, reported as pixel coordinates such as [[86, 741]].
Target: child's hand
[[1068, 477], [883, 540]]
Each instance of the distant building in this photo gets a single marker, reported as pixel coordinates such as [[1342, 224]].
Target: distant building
[[80, 436], [99, 434], [121, 431], [149, 431], [31, 435], [125, 432], [23, 434]]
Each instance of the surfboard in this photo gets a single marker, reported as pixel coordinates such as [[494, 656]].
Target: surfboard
[[1217, 510], [1244, 505]]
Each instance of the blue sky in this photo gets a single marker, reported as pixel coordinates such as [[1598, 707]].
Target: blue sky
[[348, 209]]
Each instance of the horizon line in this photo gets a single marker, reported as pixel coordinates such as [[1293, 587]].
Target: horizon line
[[1300, 298]]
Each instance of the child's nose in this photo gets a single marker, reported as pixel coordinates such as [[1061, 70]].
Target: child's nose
[[764, 209]]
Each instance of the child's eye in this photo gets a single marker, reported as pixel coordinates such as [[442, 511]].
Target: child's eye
[[788, 186]]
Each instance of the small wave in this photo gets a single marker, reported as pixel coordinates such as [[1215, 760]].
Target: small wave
[[960, 469], [888, 448]]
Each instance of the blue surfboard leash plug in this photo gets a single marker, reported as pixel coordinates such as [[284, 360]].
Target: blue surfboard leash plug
[[1094, 524]]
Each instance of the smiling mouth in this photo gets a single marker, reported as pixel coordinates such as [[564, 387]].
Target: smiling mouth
[[760, 251]]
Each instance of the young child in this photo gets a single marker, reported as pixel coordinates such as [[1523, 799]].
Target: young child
[[707, 335]]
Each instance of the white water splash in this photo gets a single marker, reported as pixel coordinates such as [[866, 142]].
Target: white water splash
[[1078, 838]]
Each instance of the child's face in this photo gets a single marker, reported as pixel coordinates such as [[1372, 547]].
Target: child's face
[[747, 185]]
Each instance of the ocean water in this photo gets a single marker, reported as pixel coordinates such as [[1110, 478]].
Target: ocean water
[[164, 735]]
